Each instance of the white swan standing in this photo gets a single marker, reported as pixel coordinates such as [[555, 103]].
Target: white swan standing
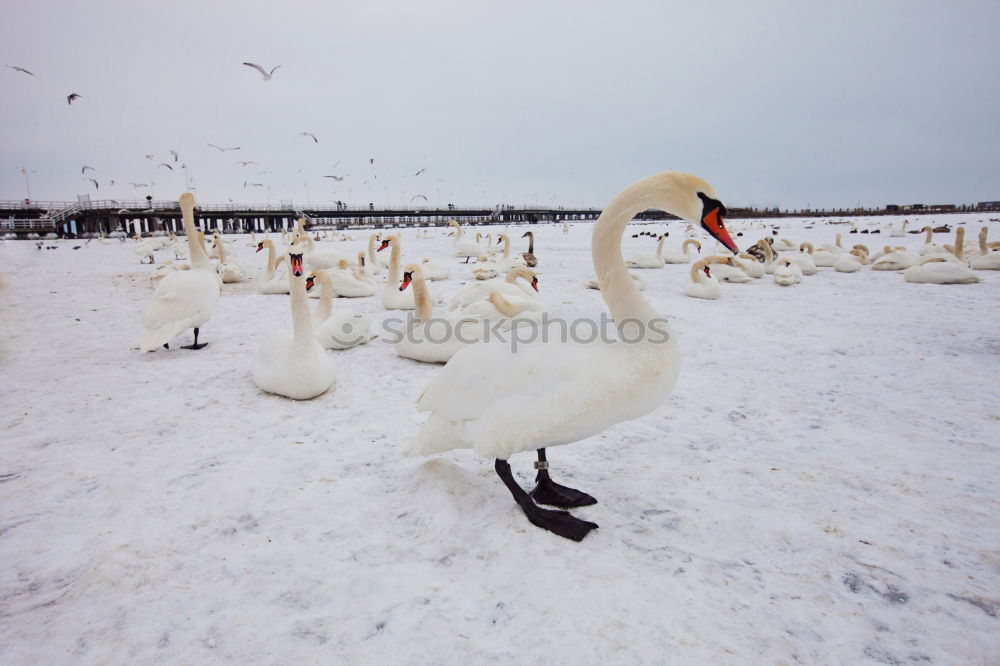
[[294, 364], [183, 299], [558, 392], [463, 246], [336, 330]]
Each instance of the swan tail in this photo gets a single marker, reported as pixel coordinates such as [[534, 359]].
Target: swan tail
[[157, 336], [437, 436]]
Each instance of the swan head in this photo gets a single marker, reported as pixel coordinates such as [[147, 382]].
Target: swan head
[[295, 261], [408, 272], [531, 233], [712, 216], [384, 245]]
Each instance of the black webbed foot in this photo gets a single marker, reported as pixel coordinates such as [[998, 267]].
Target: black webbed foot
[[550, 493]]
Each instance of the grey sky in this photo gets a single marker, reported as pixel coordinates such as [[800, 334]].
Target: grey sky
[[775, 103]]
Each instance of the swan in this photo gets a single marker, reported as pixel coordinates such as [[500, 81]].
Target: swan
[[988, 259], [681, 256], [434, 270], [938, 270], [640, 282], [785, 245], [228, 269], [484, 269], [340, 329], [507, 262], [274, 281], [551, 393], [530, 260], [824, 258], [320, 258], [647, 260], [850, 262], [895, 260], [463, 246], [430, 338], [509, 286], [863, 248], [183, 299], [900, 231], [787, 273], [143, 251], [930, 247], [804, 259], [294, 364], [749, 264], [769, 263], [702, 286], [394, 298], [376, 264], [728, 269], [165, 269]]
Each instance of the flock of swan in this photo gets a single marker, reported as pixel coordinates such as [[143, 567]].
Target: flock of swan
[[562, 391]]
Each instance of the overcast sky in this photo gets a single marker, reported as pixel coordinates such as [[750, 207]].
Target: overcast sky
[[788, 103]]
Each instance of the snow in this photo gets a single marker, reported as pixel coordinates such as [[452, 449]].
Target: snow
[[820, 488]]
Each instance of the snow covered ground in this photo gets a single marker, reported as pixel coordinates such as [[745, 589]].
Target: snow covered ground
[[821, 488]]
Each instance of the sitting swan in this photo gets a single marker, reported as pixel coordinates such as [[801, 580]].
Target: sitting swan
[[508, 261], [434, 339], [681, 256], [787, 273], [850, 262], [702, 286], [647, 260], [804, 259], [434, 270], [183, 299], [508, 286], [274, 281], [938, 270], [728, 269], [558, 392], [988, 259], [229, 270], [336, 330], [294, 364], [463, 246]]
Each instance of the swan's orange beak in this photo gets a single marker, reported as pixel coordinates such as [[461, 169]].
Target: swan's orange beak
[[534, 283], [708, 273], [296, 262], [260, 246], [384, 245], [310, 282], [712, 221], [407, 279]]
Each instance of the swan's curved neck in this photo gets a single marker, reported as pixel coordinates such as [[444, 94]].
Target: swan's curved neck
[[196, 248], [768, 252], [659, 247], [325, 307], [618, 289], [220, 244], [531, 242], [423, 310], [930, 236], [302, 333], [960, 242], [506, 245], [687, 244], [983, 247], [394, 261], [272, 260]]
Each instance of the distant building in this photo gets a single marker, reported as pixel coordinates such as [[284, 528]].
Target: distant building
[[991, 205]]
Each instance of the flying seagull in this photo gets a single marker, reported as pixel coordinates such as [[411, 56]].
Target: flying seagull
[[263, 72], [72, 96], [96, 186], [150, 157], [309, 134], [138, 185], [166, 165], [244, 163], [19, 69], [417, 196], [338, 178], [221, 149], [85, 167], [174, 153], [420, 172]]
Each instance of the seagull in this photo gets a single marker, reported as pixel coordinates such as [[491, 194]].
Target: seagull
[[150, 157], [72, 96], [220, 148], [262, 173], [371, 160], [263, 72], [338, 178], [111, 183], [420, 172], [166, 165], [85, 167], [244, 163], [174, 153], [138, 185], [124, 211], [19, 69], [417, 196], [309, 134], [96, 186]]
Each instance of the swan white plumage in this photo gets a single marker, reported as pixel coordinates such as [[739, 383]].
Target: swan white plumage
[[804, 259], [895, 260], [850, 262], [787, 273], [563, 391], [294, 364], [463, 246], [183, 299], [508, 286], [937, 270], [640, 282], [376, 264], [647, 260], [681, 256], [988, 259], [900, 231], [750, 265], [785, 245], [229, 269], [434, 270], [429, 338], [702, 286], [275, 281], [728, 269], [508, 261], [336, 330], [394, 298]]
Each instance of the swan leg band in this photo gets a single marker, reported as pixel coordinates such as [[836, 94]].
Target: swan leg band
[[540, 464]]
